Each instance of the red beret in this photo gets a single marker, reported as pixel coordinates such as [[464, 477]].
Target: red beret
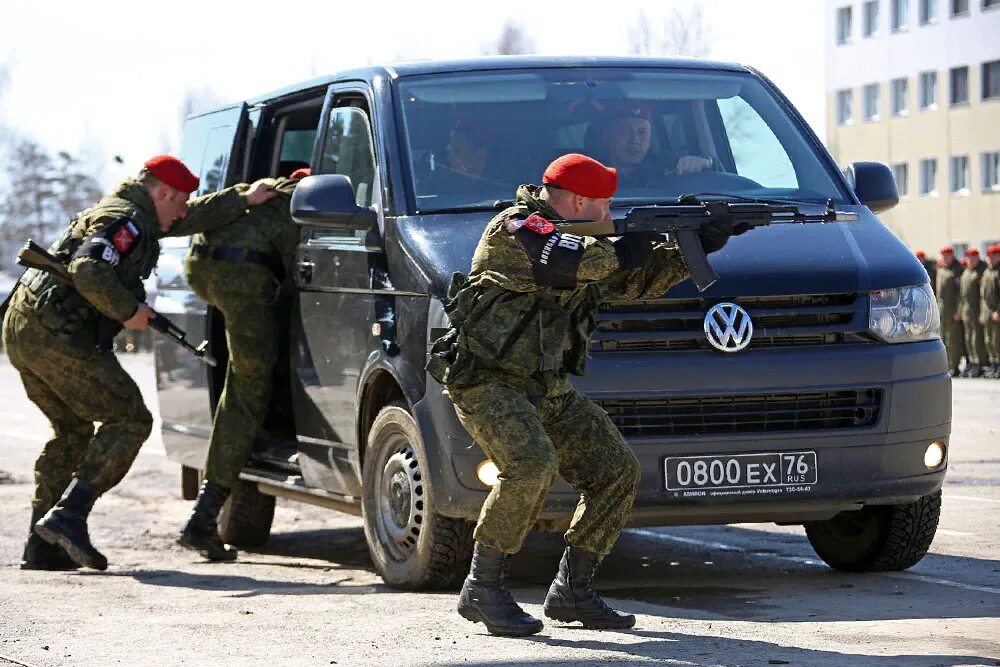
[[947, 250], [993, 249], [171, 171], [921, 254], [301, 172], [632, 110], [581, 175], [972, 251]]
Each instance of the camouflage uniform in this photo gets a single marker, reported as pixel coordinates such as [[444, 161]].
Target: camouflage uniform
[[523, 321], [246, 293], [975, 339], [51, 334], [930, 266], [948, 295], [990, 293]]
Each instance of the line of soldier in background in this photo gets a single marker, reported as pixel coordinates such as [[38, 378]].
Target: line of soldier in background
[[968, 294]]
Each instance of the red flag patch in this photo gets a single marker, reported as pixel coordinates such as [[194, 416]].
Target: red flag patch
[[539, 225], [123, 239]]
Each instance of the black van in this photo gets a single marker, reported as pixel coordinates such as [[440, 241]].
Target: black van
[[831, 408]]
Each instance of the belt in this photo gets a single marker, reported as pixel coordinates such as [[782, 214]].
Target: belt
[[236, 255]]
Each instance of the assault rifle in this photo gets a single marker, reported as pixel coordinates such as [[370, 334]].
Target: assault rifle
[[34, 256], [680, 221]]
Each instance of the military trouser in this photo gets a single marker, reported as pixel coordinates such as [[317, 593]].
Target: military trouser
[[952, 335], [565, 433], [975, 342], [252, 338], [74, 392], [993, 341]]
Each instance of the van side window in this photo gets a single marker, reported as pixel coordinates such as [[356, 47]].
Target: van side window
[[213, 168], [348, 150]]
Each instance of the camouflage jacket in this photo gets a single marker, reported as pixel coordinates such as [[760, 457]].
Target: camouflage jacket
[[267, 228], [990, 292], [970, 282], [948, 281], [109, 250], [530, 303]]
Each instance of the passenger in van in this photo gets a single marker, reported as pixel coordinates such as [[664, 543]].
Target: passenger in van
[[471, 143], [239, 269], [522, 323], [59, 338], [625, 137]]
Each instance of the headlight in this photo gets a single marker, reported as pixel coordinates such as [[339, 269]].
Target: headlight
[[904, 315]]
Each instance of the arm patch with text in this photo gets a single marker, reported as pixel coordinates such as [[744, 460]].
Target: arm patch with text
[[555, 257], [111, 243]]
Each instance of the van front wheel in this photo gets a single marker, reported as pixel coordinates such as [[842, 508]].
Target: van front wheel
[[879, 538], [412, 547]]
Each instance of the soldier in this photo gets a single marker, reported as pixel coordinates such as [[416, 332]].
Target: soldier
[[930, 266], [949, 276], [975, 341], [989, 313], [522, 322], [59, 338], [239, 269]]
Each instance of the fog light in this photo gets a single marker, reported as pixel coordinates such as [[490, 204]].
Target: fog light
[[934, 456], [488, 473]]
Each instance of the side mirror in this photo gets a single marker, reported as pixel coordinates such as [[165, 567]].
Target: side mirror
[[328, 200], [874, 184]]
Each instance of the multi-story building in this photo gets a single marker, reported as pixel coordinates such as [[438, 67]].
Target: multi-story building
[[915, 84]]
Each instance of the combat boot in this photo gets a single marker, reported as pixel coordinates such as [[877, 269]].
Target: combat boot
[[39, 554], [571, 597], [202, 530], [973, 371], [485, 598], [65, 525]]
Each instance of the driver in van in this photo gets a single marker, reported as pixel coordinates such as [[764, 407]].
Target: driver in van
[[625, 137]]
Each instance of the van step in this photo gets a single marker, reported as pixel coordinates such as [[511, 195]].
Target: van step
[[293, 487]]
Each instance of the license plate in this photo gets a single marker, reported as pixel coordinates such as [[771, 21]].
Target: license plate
[[741, 474]]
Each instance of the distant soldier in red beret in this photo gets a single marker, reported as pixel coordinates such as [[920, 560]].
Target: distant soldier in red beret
[[522, 324], [949, 277], [59, 338], [989, 313], [977, 356], [930, 266]]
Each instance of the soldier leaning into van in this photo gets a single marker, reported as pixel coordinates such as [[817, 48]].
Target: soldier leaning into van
[[523, 320], [949, 277], [975, 338], [989, 313], [239, 269], [51, 334]]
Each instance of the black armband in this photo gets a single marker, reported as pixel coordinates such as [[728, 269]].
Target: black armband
[[111, 243], [555, 257]]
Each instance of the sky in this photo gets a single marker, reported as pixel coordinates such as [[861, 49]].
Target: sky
[[108, 77]]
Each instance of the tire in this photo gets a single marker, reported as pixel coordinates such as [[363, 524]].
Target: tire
[[412, 547], [246, 517], [879, 538]]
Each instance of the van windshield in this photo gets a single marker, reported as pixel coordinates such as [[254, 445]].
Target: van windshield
[[472, 138]]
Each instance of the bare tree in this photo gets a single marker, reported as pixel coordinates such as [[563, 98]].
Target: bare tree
[[684, 33], [513, 40]]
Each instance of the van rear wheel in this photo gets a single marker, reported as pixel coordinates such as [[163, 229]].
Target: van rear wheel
[[879, 538], [412, 547]]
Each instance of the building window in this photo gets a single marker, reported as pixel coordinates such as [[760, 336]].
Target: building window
[[959, 86], [991, 80], [901, 172], [900, 97], [928, 11], [928, 91], [845, 100], [991, 171], [871, 18], [900, 14], [959, 179], [991, 4], [844, 25], [928, 177], [871, 101], [959, 8]]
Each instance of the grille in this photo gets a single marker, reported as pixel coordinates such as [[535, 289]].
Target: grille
[[744, 413], [778, 321]]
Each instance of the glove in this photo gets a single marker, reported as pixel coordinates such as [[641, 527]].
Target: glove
[[715, 233], [634, 249]]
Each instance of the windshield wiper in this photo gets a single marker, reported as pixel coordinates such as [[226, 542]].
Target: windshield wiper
[[695, 198]]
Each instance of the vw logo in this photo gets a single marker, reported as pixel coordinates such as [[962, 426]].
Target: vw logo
[[728, 327]]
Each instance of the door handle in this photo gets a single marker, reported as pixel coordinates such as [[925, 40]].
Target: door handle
[[305, 269]]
